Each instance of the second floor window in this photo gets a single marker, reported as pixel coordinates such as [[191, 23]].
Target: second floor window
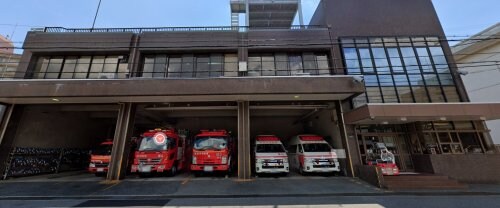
[[288, 64]]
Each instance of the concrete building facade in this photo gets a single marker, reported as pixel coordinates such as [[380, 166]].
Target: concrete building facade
[[362, 72], [8, 59]]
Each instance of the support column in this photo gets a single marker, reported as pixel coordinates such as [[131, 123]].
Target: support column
[[8, 128], [345, 138], [244, 159], [121, 142]]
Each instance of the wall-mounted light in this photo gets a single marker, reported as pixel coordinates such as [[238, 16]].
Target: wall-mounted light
[[55, 100]]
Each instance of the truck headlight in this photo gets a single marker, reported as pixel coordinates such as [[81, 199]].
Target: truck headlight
[[92, 165], [309, 160], [224, 160], [194, 161], [260, 161], [285, 160]]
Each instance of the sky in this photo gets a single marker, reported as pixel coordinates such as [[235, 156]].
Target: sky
[[458, 17]]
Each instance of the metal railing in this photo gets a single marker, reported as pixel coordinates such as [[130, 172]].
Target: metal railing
[[171, 29]]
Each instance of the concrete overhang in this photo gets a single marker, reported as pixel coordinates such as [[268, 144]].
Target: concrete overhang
[[321, 88], [400, 113]]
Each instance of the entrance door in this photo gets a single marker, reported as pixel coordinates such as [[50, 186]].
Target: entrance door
[[395, 143]]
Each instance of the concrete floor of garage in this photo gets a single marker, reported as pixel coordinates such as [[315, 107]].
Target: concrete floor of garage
[[184, 185]]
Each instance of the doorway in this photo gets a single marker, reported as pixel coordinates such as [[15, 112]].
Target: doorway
[[396, 143]]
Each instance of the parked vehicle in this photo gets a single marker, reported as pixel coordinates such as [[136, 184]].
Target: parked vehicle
[[160, 151], [212, 152], [270, 155], [381, 157], [100, 158], [311, 153]]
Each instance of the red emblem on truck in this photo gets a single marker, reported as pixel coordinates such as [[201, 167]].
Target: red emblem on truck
[[160, 138]]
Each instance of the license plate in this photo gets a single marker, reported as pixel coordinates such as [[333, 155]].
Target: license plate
[[208, 168], [145, 168], [100, 169]]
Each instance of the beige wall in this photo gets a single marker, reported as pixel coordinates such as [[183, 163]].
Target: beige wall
[[483, 82]]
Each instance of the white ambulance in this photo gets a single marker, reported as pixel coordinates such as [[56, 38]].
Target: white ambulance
[[311, 153], [270, 155]]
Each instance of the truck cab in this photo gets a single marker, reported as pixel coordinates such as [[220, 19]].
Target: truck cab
[[159, 151], [212, 152], [311, 153], [100, 158], [270, 155]]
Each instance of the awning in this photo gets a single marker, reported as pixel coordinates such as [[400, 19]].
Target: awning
[[399, 113]]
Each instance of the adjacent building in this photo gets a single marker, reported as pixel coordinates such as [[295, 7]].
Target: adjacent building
[[479, 58], [8, 59], [361, 72]]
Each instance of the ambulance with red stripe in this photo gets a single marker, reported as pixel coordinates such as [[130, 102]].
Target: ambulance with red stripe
[[212, 152], [311, 153], [270, 155], [159, 151]]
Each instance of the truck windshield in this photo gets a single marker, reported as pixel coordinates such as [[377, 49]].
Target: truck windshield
[[148, 144], [267, 148], [317, 147], [103, 149], [205, 143]]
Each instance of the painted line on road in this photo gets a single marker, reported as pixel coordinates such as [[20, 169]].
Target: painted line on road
[[186, 180]]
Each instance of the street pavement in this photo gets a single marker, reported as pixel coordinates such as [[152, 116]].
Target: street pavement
[[184, 190]]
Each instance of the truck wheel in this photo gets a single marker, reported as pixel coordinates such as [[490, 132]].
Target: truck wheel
[[173, 170]]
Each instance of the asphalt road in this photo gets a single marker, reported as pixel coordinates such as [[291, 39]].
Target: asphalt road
[[273, 202]]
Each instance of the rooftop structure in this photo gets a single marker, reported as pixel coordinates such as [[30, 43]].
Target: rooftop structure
[[266, 13]]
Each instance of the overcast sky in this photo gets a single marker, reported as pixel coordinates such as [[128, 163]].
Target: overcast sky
[[458, 17]]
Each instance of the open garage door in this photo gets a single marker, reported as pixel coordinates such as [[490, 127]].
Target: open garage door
[[50, 139]]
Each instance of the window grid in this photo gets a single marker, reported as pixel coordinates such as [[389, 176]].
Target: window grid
[[70, 67], [427, 71]]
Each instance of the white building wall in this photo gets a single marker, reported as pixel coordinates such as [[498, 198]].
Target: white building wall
[[483, 81]]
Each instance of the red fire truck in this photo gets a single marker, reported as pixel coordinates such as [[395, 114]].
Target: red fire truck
[[159, 151], [100, 157], [212, 152]]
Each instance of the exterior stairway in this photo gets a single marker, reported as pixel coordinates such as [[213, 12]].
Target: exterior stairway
[[421, 181]]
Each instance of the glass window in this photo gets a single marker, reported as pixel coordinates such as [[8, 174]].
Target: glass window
[[69, 67], [216, 62], [160, 66], [123, 72], [405, 95], [352, 62], [174, 66], [374, 95], [395, 59], [147, 70], [187, 66], [310, 65], [254, 65], [420, 94], [230, 65], [366, 60], [438, 56], [446, 79], [54, 68], [425, 60], [389, 94], [410, 60], [96, 67], [110, 67], [268, 66], [282, 64], [451, 94], [371, 80], [323, 64], [416, 80], [82, 67], [295, 64], [202, 66], [41, 67], [385, 80], [436, 94], [431, 80], [381, 61]]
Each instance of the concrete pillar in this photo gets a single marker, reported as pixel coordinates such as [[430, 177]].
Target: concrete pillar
[[121, 142], [345, 138], [8, 128], [244, 159]]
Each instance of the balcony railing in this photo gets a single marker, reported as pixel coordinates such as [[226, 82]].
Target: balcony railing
[[172, 29]]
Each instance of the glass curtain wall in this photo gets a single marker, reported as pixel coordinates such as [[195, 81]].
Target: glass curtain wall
[[400, 69]]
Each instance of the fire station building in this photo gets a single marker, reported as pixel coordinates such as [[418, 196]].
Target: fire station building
[[361, 72]]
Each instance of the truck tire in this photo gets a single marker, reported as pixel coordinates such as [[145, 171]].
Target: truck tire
[[173, 170]]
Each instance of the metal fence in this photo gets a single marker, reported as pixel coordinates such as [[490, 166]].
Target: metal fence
[[172, 29]]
